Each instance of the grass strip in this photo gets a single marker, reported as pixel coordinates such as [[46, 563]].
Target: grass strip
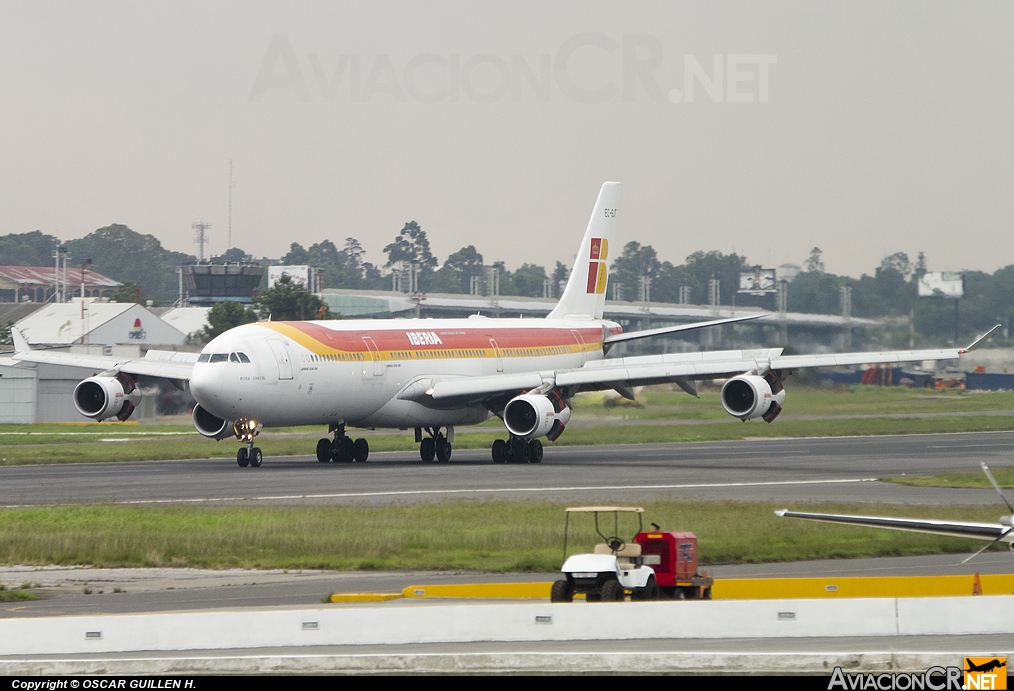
[[16, 595], [473, 536], [173, 448], [972, 479]]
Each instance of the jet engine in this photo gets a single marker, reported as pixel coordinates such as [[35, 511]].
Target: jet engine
[[534, 415], [750, 396], [210, 425], [101, 398]]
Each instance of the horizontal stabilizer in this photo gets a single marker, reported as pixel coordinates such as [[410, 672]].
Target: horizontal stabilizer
[[647, 333], [982, 531]]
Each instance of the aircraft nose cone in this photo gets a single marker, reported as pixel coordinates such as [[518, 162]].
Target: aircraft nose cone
[[206, 382]]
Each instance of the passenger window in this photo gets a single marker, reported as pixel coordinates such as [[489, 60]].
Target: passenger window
[[243, 357], [204, 357]]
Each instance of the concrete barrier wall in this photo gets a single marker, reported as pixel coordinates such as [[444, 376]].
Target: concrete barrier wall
[[432, 623]]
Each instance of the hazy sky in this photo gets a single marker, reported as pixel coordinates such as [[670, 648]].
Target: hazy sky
[[864, 128]]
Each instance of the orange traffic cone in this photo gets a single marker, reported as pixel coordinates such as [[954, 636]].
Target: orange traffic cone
[[976, 584]]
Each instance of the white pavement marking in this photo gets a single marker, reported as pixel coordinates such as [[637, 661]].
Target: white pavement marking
[[505, 490]]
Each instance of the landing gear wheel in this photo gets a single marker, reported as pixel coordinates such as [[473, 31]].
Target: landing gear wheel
[[535, 451], [241, 458], [324, 450], [361, 450], [508, 451], [256, 457], [519, 448], [499, 451], [346, 450], [612, 591], [562, 591], [443, 449], [427, 449]]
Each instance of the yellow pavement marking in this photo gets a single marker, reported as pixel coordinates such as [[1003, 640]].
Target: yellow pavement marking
[[364, 597]]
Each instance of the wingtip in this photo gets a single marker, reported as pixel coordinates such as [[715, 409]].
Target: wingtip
[[781, 512]]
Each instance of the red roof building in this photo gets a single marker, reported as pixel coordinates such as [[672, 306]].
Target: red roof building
[[38, 283]]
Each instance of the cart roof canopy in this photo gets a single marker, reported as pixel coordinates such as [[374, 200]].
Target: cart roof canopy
[[603, 509]]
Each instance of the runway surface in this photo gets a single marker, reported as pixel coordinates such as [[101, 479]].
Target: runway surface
[[840, 469]]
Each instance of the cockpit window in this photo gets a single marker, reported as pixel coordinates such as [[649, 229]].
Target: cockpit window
[[233, 357], [220, 357], [243, 357], [204, 357]]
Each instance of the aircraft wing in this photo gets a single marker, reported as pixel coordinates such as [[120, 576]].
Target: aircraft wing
[[156, 363], [679, 368], [981, 531]]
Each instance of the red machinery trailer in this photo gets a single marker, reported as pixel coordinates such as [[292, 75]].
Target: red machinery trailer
[[673, 556]]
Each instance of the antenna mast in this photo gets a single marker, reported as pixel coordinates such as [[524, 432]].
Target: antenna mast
[[201, 228], [229, 247]]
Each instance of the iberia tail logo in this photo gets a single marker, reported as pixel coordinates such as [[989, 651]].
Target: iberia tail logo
[[597, 276]]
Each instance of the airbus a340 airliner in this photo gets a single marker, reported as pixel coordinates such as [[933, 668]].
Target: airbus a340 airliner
[[435, 374]]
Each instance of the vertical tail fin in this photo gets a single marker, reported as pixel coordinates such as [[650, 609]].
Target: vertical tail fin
[[585, 294]]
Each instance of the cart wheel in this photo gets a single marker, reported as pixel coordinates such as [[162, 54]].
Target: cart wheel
[[679, 594], [562, 591], [612, 591], [707, 593], [649, 592]]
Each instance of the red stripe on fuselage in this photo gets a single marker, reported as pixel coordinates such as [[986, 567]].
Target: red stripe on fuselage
[[450, 338]]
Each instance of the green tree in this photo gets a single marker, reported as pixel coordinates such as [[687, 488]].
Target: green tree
[[124, 255], [227, 315], [530, 279], [814, 264], [636, 261], [288, 301], [27, 249], [561, 274], [232, 256], [130, 291], [455, 276], [412, 247]]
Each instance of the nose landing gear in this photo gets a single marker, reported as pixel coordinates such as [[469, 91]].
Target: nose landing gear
[[249, 455]]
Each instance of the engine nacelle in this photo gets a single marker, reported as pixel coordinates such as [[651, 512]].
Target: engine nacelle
[[101, 398], [210, 425], [532, 415], [750, 396]]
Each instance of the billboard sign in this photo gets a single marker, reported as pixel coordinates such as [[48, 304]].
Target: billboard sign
[[757, 281], [946, 283], [302, 275]]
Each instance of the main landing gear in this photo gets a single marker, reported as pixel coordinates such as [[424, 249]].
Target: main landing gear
[[436, 445], [517, 450], [342, 449]]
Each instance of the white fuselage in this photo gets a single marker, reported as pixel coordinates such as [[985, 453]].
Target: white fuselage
[[352, 371]]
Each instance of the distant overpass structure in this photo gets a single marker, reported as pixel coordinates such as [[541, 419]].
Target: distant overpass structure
[[833, 330]]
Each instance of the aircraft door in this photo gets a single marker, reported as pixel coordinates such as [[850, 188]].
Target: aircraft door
[[378, 364], [580, 342], [498, 353], [281, 358]]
